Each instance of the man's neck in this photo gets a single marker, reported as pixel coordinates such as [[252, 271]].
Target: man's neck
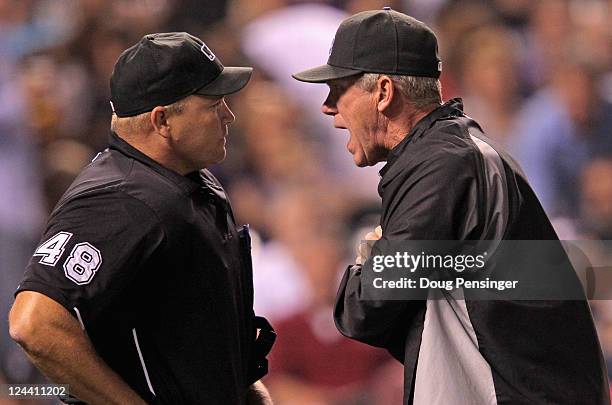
[[399, 129], [146, 145]]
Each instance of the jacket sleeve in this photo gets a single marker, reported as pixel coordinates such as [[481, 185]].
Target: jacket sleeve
[[374, 322], [433, 200]]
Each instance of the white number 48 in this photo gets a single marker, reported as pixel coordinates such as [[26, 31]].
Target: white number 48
[[82, 264]]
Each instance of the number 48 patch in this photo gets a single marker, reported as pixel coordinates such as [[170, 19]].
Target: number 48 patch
[[82, 264]]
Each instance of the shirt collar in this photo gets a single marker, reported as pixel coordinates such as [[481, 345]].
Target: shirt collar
[[452, 108], [188, 183]]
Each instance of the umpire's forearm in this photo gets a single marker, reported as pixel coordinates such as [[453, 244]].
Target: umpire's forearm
[[57, 345], [72, 362]]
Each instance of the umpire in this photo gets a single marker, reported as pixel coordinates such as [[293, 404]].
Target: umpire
[[444, 180], [141, 289]]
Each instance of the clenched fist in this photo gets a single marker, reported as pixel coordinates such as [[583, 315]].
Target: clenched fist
[[365, 246]]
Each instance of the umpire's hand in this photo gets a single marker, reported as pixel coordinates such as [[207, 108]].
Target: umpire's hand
[[365, 246]]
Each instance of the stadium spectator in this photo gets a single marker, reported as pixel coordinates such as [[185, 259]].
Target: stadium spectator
[[559, 130]]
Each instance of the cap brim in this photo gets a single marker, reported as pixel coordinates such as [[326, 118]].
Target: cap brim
[[229, 81], [324, 73]]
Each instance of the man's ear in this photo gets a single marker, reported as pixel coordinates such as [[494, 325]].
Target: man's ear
[[385, 91], [159, 120]]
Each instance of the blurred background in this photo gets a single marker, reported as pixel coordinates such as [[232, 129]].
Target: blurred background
[[536, 74]]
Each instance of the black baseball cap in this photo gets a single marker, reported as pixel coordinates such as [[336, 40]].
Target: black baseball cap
[[163, 68], [379, 41]]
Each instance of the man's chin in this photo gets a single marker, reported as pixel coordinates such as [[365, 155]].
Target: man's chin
[[222, 156], [361, 161], [219, 158]]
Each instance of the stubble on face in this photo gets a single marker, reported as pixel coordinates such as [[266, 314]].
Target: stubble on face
[[201, 132], [216, 127]]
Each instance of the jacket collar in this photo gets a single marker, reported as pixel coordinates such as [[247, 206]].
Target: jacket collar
[[452, 108], [187, 184]]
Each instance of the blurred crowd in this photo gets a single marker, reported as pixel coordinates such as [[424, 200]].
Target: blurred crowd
[[537, 75]]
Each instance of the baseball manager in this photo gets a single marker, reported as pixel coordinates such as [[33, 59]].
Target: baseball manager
[[141, 289], [444, 180]]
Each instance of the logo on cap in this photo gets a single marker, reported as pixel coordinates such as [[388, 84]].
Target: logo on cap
[[206, 51]]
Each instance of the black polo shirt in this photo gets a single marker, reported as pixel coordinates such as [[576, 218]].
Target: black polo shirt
[[152, 265]]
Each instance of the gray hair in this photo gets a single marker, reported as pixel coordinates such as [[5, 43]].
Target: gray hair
[[142, 122], [421, 92]]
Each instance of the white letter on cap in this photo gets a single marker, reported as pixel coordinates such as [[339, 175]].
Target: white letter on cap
[[206, 51]]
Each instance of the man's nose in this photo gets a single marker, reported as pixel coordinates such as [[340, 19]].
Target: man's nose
[[329, 107], [328, 110], [229, 116]]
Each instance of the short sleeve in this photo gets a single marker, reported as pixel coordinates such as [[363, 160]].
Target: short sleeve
[[92, 249]]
